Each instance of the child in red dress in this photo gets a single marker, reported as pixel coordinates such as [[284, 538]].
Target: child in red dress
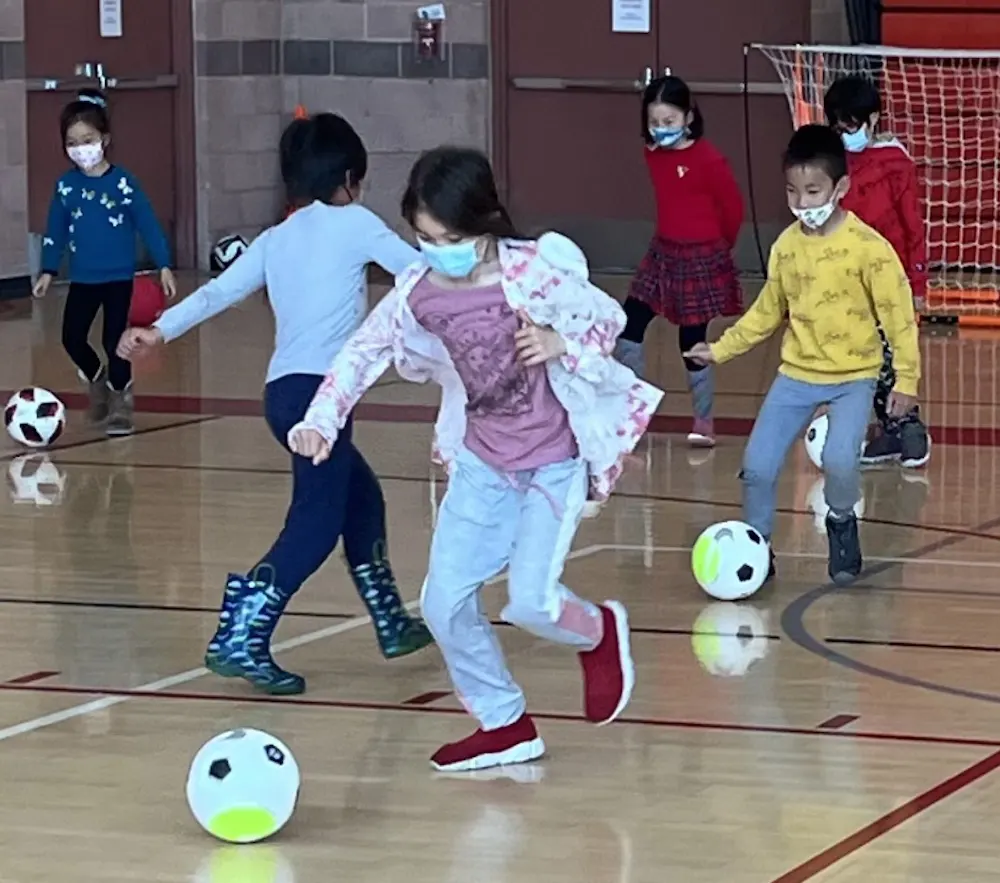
[[885, 194], [688, 275]]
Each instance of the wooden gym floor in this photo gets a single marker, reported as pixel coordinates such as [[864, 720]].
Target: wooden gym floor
[[847, 735]]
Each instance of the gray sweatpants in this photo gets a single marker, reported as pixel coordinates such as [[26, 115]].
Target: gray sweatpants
[[787, 410]]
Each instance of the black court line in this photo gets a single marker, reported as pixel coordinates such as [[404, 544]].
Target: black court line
[[104, 439], [657, 498]]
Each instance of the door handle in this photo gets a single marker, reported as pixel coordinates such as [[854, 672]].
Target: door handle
[[75, 84]]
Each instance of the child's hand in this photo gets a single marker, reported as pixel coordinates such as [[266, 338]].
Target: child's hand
[[137, 342], [168, 282], [309, 443], [899, 404], [42, 285], [700, 353], [536, 345]]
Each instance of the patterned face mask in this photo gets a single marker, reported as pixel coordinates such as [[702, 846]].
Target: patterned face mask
[[665, 136], [86, 156], [816, 216]]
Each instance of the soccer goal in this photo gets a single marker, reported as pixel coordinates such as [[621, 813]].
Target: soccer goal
[[944, 106]]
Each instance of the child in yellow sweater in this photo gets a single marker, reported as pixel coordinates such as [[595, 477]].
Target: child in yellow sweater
[[835, 280]]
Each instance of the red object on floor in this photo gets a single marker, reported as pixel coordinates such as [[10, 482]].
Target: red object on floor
[[148, 302], [518, 742]]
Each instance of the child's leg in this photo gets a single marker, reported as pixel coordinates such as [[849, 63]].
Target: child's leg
[[116, 298], [850, 405], [253, 605], [540, 603], [82, 304], [783, 417], [472, 543], [367, 551], [628, 349], [701, 382]]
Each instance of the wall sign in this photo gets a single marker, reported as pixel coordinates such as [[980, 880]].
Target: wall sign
[[111, 18], [630, 16]]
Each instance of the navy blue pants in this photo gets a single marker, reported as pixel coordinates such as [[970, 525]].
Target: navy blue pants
[[322, 496]]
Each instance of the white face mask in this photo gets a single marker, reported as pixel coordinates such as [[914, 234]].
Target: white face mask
[[86, 156], [816, 216]]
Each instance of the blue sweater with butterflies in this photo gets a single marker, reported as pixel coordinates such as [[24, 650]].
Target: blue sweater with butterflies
[[97, 220]]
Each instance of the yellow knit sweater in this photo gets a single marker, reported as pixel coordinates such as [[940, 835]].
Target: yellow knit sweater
[[835, 290]]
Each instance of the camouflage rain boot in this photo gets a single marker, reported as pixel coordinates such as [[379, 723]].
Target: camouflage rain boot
[[398, 633], [241, 647]]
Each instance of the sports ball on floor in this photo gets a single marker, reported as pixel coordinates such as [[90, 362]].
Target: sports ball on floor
[[34, 417], [149, 300], [227, 250], [730, 560], [34, 478], [262, 863], [243, 786], [728, 639], [815, 440]]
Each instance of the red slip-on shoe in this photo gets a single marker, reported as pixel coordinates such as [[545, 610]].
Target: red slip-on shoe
[[518, 742], [608, 669]]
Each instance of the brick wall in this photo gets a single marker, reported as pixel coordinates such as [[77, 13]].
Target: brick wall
[[13, 145], [258, 59]]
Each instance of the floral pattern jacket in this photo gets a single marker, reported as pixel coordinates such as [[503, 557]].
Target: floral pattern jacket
[[609, 407]]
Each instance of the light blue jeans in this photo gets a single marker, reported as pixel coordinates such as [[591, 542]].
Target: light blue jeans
[[783, 418], [524, 521]]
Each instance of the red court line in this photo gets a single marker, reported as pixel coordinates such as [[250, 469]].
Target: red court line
[[838, 722], [357, 705], [427, 698], [884, 824], [32, 677], [381, 412]]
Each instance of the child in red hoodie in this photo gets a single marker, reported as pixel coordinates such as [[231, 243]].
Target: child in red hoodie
[[885, 194]]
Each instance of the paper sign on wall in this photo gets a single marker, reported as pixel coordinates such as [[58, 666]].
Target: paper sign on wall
[[111, 18], [630, 16]]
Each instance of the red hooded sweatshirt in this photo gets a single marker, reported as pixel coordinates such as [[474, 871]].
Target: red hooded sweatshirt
[[885, 194]]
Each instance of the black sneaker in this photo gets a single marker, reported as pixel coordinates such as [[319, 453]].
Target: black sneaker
[[915, 445], [886, 447], [845, 549]]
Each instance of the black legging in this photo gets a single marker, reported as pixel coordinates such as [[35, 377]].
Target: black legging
[[82, 305], [638, 315]]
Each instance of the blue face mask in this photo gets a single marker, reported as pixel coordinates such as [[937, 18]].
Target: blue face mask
[[666, 137], [855, 142], [455, 260]]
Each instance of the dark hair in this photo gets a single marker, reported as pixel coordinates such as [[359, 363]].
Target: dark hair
[[817, 145], [673, 91], [455, 185], [319, 155], [91, 107], [851, 100]]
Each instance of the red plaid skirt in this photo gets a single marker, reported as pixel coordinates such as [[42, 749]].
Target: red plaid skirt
[[688, 283]]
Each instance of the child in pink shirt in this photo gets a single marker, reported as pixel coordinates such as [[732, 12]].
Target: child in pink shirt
[[536, 417]]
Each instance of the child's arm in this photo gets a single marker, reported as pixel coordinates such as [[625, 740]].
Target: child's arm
[[144, 218], [729, 200], [386, 248], [355, 369], [56, 234], [912, 220], [892, 298], [757, 324], [237, 283]]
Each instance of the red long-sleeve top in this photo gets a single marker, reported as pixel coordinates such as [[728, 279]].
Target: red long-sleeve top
[[885, 194], [697, 197]]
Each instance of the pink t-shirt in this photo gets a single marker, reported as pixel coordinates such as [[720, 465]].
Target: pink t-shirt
[[514, 420]]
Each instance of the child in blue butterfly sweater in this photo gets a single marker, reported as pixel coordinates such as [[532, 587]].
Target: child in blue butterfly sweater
[[96, 211]]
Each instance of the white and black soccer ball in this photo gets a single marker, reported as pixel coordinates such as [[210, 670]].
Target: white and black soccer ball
[[34, 417], [243, 786], [815, 439], [227, 251], [34, 478], [730, 560]]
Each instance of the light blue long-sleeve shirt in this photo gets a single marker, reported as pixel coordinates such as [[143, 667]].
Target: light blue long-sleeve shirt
[[313, 267]]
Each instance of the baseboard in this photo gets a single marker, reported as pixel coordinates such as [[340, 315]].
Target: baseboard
[[15, 287]]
